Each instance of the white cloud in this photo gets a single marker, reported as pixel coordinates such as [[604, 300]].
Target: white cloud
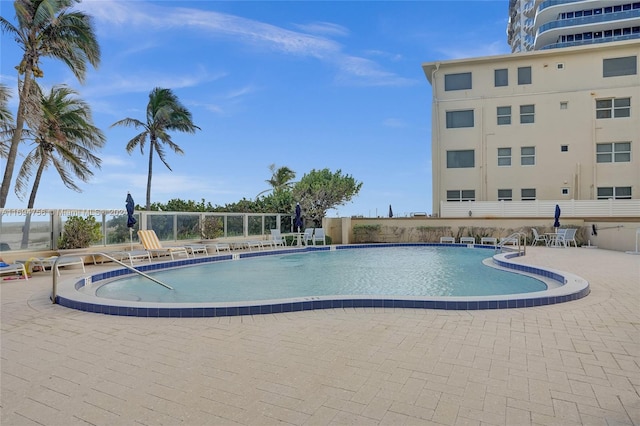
[[327, 28]]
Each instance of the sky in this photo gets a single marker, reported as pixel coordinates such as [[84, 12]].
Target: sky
[[303, 84]]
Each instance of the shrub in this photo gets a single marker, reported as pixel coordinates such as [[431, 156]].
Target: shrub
[[80, 232]]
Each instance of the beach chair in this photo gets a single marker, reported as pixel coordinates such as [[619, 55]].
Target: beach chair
[[197, 248], [537, 237], [489, 241], [467, 240], [151, 243], [318, 235], [15, 268], [447, 240], [277, 238], [48, 262], [308, 236]]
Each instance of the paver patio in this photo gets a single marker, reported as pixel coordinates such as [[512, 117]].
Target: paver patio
[[568, 364]]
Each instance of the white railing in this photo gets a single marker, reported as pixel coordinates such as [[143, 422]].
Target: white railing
[[541, 208]]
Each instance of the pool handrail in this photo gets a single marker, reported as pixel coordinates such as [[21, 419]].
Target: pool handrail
[[522, 249], [54, 289]]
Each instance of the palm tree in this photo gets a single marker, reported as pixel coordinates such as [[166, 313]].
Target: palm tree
[[65, 137], [46, 28], [164, 113], [6, 120], [281, 178]]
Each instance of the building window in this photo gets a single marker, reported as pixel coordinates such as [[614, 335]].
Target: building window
[[505, 195], [527, 114], [524, 75], [460, 81], [504, 157], [457, 119], [616, 67], [461, 195], [617, 152], [564, 148], [501, 77], [460, 159], [616, 108], [564, 105], [615, 192], [528, 156], [528, 194], [560, 66], [565, 191], [504, 115]]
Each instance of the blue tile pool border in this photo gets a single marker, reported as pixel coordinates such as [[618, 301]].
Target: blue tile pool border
[[571, 288]]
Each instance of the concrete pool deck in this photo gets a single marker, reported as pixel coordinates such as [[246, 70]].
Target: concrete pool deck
[[566, 364]]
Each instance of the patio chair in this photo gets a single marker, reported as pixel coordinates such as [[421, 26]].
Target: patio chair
[[448, 240], [318, 235], [467, 240], [15, 268], [308, 236], [48, 262], [152, 244], [277, 238], [567, 237], [489, 240], [537, 237]]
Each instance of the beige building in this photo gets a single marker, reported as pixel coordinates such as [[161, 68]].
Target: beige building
[[556, 124]]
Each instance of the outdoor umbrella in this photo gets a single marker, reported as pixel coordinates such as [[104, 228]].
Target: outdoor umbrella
[[298, 221], [390, 211], [131, 221], [556, 224]]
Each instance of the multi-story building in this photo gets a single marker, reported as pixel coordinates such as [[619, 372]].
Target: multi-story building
[[548, 24], [556, 124]]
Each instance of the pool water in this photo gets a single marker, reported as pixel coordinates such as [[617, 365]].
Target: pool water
[[384, 271]]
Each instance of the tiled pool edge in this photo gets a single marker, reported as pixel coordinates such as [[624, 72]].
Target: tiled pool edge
[[573, 288]]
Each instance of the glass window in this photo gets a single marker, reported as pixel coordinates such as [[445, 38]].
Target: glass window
[[616, 108], [617, 152], [564, 105], [564, 148], [504, 157], [460, 159], [457, 119], [504, 195], [524, 75], [501, 77], [615, 192], [528, 155], [528, 194], [504, 115], [459, 81], [461, 195], [527, 114], [615, 67]]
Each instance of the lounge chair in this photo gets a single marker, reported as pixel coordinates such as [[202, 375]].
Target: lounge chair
[[467, 240], [318, 235], [537, 237], [567, 237], [448, 240], [308, 236], [489, 240], [197, 248], [15, 268], [277, 238], [151, 243], [48, 262]]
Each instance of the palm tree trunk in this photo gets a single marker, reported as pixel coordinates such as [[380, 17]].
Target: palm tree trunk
[[15, 140], [32, 200], [149, 175]]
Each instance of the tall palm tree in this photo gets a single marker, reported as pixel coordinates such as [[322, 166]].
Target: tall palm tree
[[164, 113], [45, 28], [6, 121], [64, 136], [281, 178]]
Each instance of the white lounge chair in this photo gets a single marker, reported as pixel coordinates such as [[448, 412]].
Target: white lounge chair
[[467, 240], [537, 237], [308, 236], [197, 248], [489, 240], [447, 240], [277, 238], [318, 235], [15, 268], [567, 237], [48, 262], [152, 244]]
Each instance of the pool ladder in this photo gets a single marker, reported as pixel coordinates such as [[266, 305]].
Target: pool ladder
[[520, 240]]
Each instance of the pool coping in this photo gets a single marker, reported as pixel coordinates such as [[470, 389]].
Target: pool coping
[[69, 294]]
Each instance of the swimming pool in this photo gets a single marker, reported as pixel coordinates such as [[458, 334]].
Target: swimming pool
[[85, 294]]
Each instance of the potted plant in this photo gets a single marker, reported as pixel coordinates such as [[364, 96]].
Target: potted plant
[[79, 232]]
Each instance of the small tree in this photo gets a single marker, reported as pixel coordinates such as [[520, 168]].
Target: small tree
[[80, 232], [321, 190]]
